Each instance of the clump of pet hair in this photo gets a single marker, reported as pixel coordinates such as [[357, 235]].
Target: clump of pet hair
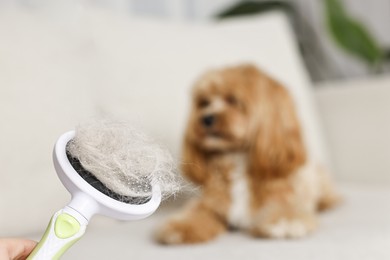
[[124, 159]]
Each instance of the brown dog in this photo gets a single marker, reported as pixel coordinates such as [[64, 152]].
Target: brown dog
[[244, 147]]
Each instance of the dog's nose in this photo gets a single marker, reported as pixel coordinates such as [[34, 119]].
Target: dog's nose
[[208, 120]]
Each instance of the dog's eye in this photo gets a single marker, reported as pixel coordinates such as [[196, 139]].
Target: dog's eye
[[231, 100], [202, 103]]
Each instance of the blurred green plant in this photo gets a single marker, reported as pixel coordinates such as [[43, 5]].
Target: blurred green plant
[[254, 7], [349, 34]]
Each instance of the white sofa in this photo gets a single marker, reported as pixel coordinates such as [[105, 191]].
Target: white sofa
[[359, 229], [57, 70]]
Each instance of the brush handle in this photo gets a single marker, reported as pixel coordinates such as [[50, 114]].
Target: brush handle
[[65, 228]]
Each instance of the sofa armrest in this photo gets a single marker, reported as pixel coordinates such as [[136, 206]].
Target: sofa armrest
[[356, 119]]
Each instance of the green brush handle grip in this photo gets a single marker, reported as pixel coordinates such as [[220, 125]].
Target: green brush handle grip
[[62, 232]]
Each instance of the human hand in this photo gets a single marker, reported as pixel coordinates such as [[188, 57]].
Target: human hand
[[15, 248]]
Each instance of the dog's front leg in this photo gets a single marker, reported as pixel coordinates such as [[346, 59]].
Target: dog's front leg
[[197, 223]]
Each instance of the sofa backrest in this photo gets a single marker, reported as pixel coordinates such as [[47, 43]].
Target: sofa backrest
[[56, 71]]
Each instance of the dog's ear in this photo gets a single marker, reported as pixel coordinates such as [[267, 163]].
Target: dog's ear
[[193, 162], [277, 148]]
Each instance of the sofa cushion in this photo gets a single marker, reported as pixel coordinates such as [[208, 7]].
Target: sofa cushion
[[359, 229]]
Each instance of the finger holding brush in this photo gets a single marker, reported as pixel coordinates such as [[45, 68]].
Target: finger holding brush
[[15, 248], [110, 169]]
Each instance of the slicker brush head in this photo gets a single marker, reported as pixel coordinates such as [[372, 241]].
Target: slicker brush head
[[121, 162]]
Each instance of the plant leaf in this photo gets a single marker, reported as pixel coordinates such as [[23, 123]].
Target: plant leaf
[[350, 34], [253, 7], [387, 54]]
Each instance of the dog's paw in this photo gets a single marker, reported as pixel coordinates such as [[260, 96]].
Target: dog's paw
[[171, 233], [286, 228], [289, 228], [189, 230], [181, 232]]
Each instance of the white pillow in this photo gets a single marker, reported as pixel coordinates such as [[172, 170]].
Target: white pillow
[[45, 82], [150, 68], [52, 75]]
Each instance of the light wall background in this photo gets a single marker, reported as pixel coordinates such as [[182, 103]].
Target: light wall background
[[327, 61], [332, 64]]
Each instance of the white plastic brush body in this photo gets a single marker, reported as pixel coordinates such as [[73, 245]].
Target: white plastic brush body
[[69, 224]]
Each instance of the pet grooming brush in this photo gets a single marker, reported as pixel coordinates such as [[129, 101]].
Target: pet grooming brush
[[110, 169]]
